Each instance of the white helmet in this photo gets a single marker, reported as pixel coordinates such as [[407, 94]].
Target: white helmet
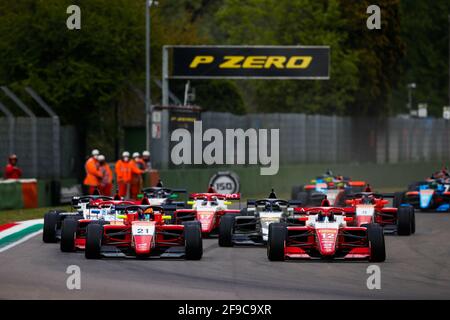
[[136, 155], [125, 154], [146, 153], [95, 153], [101, 157]]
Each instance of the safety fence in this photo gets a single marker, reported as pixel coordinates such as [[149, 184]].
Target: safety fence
[[39, 161], [332, 139]]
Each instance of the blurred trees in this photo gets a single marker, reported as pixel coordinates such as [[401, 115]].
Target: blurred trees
[[85, 74], [425, 31], [301, 22]]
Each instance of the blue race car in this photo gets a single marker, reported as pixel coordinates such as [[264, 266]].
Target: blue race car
[[432, 194]]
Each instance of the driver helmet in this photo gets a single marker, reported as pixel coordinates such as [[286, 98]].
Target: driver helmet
[[320, 216], [367, 199]]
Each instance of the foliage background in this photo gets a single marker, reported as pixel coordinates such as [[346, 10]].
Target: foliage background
[[90, 76]]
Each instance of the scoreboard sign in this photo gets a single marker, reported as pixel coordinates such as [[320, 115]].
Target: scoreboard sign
[[250, 62]]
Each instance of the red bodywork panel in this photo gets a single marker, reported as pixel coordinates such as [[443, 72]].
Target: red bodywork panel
[[383, 215], [326, 242], [209, 219], [120, 235]]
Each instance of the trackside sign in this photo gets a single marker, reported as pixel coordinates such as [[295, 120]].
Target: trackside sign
[[251, 62]]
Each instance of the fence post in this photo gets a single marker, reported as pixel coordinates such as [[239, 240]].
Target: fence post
[[56, 131], [11, 123], [33, 138]]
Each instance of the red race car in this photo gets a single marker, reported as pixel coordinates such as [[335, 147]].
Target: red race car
[[208, 209], [325, 234], [97, 211], [143, 233], [370, 207]]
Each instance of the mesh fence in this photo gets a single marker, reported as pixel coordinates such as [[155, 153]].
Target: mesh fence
[[303, 139], [332, 139], [22, 145]]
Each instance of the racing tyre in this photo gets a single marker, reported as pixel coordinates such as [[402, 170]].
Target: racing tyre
[[193, 241], [413, 219], [226, 229], [404, 221], [375, 236], [276, 241], [398, 199], [295, 191], [68, 235], [50, 226], [303, 197], [94, 236], [244, 212]]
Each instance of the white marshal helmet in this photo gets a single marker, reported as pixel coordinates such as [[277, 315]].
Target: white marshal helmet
[[125, 154], [146, 153], [101, 157], [95, 153], [136, 155]]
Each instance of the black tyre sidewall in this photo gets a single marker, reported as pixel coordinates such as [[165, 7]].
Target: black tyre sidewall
[[226, 228], [50, 225], [94, 235], [375, 237], [404, 224], [193, 241], [276, 241], [68, 233]]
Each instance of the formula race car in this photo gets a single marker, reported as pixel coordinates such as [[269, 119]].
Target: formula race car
[[432, 194], [369, 207], [53, 219], [73, 229], [163, 196], [252, 224], [143, 233], [335, 188], [325, 235], [208, 209]]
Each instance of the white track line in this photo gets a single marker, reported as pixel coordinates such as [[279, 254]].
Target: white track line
[[9, 246]]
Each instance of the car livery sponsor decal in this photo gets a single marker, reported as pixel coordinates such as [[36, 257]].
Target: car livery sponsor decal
[[365, 210], [425, 197], [321, 186], [327, 240], [206, 219]]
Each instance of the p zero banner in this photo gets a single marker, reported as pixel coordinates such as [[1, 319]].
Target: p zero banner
[[250, 62]]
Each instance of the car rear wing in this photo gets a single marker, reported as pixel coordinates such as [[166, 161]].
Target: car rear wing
[[136, 207], [376, 195], [168, 190], [231, 196], [84, 199], [295, 203], [292, 203]]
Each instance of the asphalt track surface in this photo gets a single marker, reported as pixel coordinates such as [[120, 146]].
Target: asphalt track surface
[[417, 267]]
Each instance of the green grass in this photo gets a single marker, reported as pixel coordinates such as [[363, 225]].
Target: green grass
[[26, 214]]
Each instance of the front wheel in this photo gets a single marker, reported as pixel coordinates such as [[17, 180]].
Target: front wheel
[[68, 235], [193, 241], [404, 221], [226, 229], [375, 236], [50, 226], [276, 241], [94, 237]]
